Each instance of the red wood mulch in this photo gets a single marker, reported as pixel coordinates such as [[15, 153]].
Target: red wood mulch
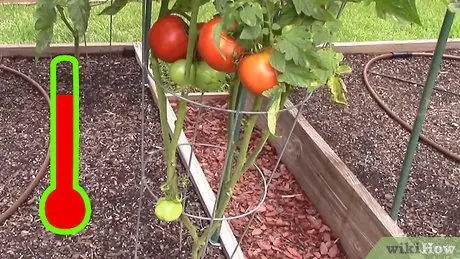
[[287, 225]]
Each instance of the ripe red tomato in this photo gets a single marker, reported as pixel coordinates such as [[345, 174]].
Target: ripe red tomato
[[256, 72], [168, 38], [209, 51]]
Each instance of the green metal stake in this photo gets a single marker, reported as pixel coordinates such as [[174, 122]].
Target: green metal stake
[[241, 101], [146, 22], [422, 111]]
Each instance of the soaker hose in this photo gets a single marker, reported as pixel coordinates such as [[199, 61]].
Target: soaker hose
[[44, 166], [393, 115]]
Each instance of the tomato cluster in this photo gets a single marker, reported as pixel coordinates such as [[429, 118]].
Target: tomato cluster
[[168, 39]]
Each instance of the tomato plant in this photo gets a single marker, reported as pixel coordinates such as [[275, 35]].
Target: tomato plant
[[220, 58], [168, 38], [177, 72], [208, 79], [168, 209], [256, 72]]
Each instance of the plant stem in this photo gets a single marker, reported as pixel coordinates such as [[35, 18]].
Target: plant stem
[[161, 95], [161, 106], [265, 135], [234, 133], [268, 39], [234, 86], [76, 41], [72, 30], [231, 179], [246, 140], [192, 37], [171, 175], [163, 8], [179, 124], [255, 154], [190, 227]]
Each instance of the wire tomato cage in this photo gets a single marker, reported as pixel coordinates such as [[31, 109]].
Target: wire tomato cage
[[265, 180]]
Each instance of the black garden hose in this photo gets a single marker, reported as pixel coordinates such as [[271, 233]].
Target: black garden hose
[[393, 115], [44, 166]]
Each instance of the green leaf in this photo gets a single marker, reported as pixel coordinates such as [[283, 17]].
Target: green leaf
[[274, 108], [333, 26], [403, 9], [296, 76], [313, 86], [44, 38], [328, 59], [293, 41], [338, 90], [321, 75], [219, 5], [320, 35], [314, 8], [45, 19], [287, 15], [344, 69], [113, 9], [251, 33], [185, 6], [79, 11], [277, 61], [248, 16]]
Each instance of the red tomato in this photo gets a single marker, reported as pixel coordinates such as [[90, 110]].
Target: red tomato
[[168, 38], [209, 51], [256, 72]]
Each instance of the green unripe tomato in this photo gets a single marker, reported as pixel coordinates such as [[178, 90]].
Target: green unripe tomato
[[208, 79], [168, 209], [177, 72]]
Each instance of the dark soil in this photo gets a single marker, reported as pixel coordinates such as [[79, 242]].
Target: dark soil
[[373, 145], [110, 165]]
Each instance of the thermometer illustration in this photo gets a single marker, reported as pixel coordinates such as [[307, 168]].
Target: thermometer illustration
[[64, 208]]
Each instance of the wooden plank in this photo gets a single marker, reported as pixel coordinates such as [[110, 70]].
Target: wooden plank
[[197, 175], [371, 47], [375, 47], [28, 50], [346, 205]]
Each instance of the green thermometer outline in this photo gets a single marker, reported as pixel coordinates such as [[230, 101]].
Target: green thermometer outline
[[76, 147]]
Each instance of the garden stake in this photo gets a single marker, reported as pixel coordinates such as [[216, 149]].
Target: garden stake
[[146, 20], [422, 112], [234, 134]]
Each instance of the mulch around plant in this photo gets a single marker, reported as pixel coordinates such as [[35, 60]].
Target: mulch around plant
[[110, 164], [287, 225], [373, 145]]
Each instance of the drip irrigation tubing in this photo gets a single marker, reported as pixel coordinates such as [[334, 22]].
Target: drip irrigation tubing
[[393, 115], [44, 166]]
